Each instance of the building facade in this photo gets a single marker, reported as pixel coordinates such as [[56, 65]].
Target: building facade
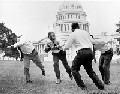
[[70, 12]]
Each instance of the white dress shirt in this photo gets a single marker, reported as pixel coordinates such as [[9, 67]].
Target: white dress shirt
[[107, 45], [26, 46], [80, 39]]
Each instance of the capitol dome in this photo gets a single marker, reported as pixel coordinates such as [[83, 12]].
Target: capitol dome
[[71, 6]]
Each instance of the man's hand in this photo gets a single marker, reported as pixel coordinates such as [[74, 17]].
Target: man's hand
[[8, 46], [12, 46], [47, 49]]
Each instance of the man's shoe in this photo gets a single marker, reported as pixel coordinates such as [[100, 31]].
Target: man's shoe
[[29, 81], [70, 76], [107, 83], [101, 88], [43, 73], [84, 88], [58, 81]]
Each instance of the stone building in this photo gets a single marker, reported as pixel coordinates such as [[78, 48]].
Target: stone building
[[70, 12]]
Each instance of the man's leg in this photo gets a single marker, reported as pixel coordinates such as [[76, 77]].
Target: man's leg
[[66, 66], [38, 62], [106, 67], [56, 68], [26, 68], [75, 72], [101, 69], [92, 75], [85, 57]]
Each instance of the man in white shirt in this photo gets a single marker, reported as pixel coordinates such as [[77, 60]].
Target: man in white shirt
[[84, 45], [55, 45], [29, 53], [104, 61]]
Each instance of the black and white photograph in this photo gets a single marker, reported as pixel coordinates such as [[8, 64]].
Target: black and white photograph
[[59, 47]]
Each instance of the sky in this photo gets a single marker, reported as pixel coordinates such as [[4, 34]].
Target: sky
[[34, 18]]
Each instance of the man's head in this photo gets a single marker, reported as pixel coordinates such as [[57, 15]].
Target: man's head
[[75, 26], [51, 36], [16, 39]]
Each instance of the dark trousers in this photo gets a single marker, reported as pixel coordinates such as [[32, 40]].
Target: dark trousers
[[60, 56], [104, 65], [84, 57]]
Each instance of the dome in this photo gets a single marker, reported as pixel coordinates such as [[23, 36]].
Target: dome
[[71, 5]]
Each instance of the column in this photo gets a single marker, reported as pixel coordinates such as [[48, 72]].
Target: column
[[62, 27], [81, 26], [88, 28], [69, 27], [39, 48], [65, 27], [36, 47], [85, 27], [59, 28], [42, 48]]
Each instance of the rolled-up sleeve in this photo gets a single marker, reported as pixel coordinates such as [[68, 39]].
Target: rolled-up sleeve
[[61, 43], [69, 41], [18, 44]]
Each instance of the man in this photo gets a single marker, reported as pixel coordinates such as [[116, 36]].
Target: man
[[104, 62], [29, 53], [54, 44], [83, 43]]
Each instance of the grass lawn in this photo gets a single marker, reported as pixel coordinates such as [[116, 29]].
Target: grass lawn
[[12, 80]]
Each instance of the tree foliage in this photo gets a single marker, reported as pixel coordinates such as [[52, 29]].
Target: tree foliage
[[7, 39]]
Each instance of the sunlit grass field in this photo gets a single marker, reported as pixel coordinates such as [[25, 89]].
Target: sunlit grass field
[[12, 80]]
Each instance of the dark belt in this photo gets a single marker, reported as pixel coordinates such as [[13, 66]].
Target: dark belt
[[108, 52], [83, 49]]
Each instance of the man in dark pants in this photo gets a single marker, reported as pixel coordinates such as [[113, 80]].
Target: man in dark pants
[[54, 44], [104, 63], [84, 46]]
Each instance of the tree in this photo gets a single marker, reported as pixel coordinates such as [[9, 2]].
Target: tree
[[7, 39]]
